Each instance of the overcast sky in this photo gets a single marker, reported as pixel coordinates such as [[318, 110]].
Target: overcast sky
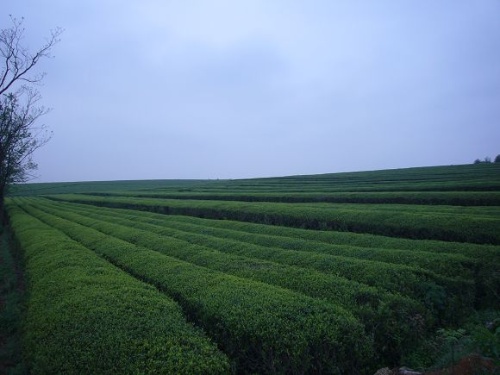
[[231, 89]]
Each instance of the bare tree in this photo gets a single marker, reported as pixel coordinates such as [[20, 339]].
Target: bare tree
[[18, 60], [19, 110]]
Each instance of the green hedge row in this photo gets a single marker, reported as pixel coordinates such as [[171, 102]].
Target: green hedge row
[[439, 293], [473, 251], [481, 262], [485, 253], [263, 328], [454, 198], [85, 316], [397, 323], [485, 259], [452, 265], [446, 296], [483, 177], [459, 224]]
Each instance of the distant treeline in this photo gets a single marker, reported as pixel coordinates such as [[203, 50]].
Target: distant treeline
[[487, 160]]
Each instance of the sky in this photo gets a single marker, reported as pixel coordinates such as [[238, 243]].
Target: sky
[[199, 89]]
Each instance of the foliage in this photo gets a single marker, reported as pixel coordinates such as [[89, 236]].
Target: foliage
[[19, 137], [386, 316], [476, 338], [128, 327], [289, 298], [479, 337], [396, 323], [454, 343], [459, 224], [452, 185], [261, 327], [410, 281]]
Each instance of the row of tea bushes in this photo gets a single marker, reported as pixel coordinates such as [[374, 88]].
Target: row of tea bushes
[[457, 258], [454, 198], [446, 264], [85, 316], [443, 295], [446, 258], [448, 223], [262, 328], [296, 238], [397, 323]]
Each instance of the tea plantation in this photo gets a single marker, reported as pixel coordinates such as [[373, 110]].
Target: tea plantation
[[325, 274]]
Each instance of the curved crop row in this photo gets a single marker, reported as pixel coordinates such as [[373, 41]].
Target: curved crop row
[[485, 258], [479, 262], [473, 251], [397, 323], [452, 265], [262, 328], [86, 316], [440, 293], [474, 178], [454, 198], [397, 221]]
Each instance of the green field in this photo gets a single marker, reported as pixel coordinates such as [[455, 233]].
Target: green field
[[337, 273]]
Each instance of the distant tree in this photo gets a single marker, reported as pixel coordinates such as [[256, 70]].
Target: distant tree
[[487, 160], [19, 110]]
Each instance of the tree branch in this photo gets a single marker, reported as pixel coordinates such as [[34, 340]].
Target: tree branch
[[18, 62]]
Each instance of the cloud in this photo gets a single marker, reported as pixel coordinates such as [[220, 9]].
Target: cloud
[[228, 89]]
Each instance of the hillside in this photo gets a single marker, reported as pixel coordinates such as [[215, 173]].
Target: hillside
[[336, 273]]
